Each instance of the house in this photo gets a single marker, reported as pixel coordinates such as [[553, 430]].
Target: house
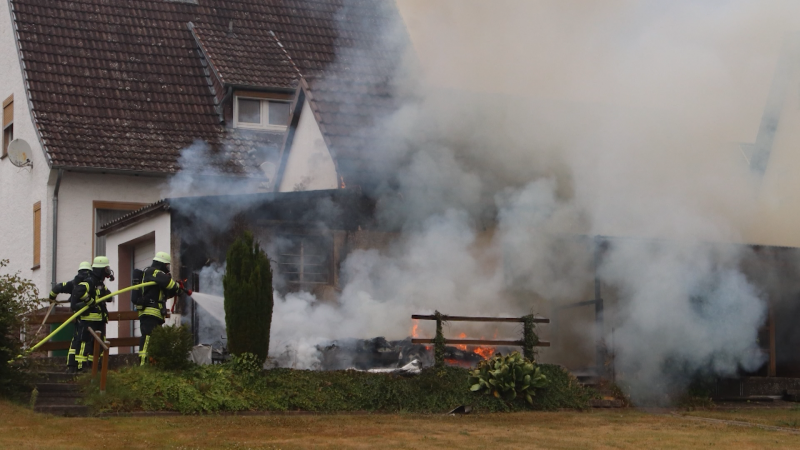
[[109, 93], [117, 97]]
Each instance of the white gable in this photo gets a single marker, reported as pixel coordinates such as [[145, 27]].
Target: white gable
[[309, 165]]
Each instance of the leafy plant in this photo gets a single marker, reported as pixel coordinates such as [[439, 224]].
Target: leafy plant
[[507, 377], [247, 364], [18, 297], [247, 285], [170, 346]]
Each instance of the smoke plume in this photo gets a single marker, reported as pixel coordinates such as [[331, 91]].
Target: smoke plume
[[536, 125]]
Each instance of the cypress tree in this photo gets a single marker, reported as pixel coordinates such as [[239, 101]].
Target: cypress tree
[[247, 285]]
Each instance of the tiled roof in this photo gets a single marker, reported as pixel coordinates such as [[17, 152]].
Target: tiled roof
[[120, 85]]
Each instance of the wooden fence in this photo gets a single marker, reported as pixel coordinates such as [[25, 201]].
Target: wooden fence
[[528, 342]]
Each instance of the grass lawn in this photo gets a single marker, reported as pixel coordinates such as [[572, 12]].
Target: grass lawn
[[786, 417], [21, 428]]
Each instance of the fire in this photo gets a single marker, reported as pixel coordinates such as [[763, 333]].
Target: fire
[[463, 346], [414, 327], [484, 352], [342, 180], [458, 362]]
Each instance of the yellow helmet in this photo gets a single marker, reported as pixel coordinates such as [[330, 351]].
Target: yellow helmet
[[100, 261], [85, 265], [163, 257]]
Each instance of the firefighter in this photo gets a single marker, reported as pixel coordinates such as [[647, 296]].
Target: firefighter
[[67, 286], [153, 307], [88, 288]]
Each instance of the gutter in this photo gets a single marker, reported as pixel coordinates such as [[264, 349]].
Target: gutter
[[55, 226]]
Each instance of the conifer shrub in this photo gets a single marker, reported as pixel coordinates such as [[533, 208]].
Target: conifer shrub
[[170, 346], [247, 285]]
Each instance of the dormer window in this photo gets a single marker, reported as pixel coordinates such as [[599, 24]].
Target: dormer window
[[258, 113]]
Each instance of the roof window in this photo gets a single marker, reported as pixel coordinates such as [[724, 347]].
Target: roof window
[[260, 113]]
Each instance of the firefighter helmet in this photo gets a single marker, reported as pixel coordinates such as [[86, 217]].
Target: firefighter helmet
[[162, 257], [100, 261]]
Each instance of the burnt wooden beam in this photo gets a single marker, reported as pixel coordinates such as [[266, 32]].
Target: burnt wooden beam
[[476, 342], [479, 319]]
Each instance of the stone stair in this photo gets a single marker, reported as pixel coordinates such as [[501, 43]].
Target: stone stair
[[590, 379], [58, 394]]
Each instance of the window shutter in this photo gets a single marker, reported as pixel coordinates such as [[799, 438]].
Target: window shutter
[[8, 111], [37, 233]]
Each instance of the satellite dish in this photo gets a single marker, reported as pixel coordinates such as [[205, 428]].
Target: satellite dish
[[19, 153]]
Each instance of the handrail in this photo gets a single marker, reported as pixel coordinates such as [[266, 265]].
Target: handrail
[[81, 311], [98, 339], [96, 358]]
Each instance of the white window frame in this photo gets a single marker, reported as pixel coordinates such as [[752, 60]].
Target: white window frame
[[264, 104]]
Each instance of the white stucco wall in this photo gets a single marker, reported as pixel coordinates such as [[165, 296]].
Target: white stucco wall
[[20, 188], [160, 225], [78, 193], [309, 166]]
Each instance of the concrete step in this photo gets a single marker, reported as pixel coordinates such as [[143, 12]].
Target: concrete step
[[60, 394], [63, 410], [586, 377], [57, 387], [56, 401], [54, 377]]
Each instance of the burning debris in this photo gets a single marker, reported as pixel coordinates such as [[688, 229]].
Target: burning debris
[[365, 354]]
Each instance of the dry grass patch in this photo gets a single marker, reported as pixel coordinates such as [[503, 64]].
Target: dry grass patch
[[20, 428]]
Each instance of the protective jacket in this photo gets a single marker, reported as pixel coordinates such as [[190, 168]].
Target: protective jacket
[[87, 289], [62, 288], [154, 298]]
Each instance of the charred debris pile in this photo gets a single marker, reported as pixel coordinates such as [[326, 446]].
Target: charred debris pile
[[364, 354]]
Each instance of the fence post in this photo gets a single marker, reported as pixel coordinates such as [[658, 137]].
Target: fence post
[[95, 356], [104, 372], [438, 343], [529, 337]]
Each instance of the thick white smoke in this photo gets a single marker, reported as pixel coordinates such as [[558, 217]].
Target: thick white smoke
[[554, 122]]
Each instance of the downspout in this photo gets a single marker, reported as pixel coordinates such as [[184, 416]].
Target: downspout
[[55, 225]]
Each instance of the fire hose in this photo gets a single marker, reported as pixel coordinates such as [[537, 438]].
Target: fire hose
[[81, 311], [182, 284]]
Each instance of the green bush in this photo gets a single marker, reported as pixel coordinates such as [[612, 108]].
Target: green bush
[[247, 364], [247, 286], [170, 346], [224, 387], [18, 297], [507, 377]]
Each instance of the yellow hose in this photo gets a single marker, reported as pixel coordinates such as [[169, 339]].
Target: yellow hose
[[50, 336]]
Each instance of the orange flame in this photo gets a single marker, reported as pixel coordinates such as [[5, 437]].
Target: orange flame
[[342, 180], [484, 352], [414, 332], [462, 346]]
